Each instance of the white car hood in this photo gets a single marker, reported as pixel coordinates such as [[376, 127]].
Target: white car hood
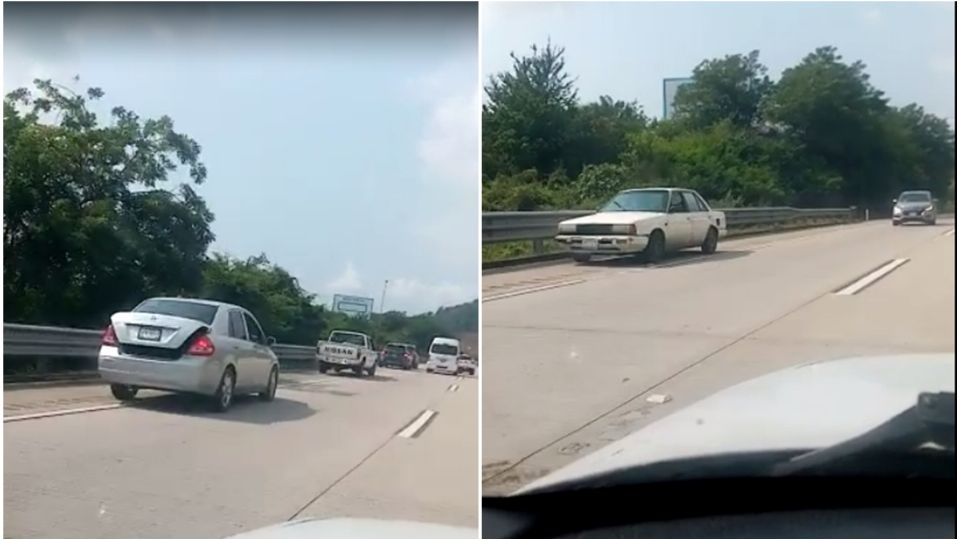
[[612, 218], [807, 406], [358, 528]]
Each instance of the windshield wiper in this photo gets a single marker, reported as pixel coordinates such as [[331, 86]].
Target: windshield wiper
[[618, 205], [928, 426]]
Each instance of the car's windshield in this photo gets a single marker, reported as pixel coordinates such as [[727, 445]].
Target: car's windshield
[[648, 200], [443, 348], [915, 197], [197, 311], [348, 338]]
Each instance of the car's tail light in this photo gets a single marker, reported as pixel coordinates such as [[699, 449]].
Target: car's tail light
[[109, 337], [201, 345]]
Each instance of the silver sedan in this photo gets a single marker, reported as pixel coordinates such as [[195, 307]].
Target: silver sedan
[[188, 345]]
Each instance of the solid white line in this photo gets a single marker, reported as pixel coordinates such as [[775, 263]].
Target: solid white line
[[533, 290], [453, 388], [417, 424], [870, 278], [62, 412], [948, 233]]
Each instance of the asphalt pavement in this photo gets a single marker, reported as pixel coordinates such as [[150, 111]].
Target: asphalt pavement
[[572, 352], [78, 465]]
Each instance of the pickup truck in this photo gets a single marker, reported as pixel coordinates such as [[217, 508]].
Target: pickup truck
[[645, 222], [466, 364], [345, 350]]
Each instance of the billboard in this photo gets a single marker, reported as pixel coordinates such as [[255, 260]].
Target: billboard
[[358, 306], [670, 87]]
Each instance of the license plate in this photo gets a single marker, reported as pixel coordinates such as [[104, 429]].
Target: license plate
[[148, 333], [589, 243]]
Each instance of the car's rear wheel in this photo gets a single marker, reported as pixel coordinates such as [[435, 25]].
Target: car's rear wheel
[[709, 244], [372, 370], [655, 247], [358, 370], [896, 223], [224, 396], [270, 391], [581, 257], [123, 392]]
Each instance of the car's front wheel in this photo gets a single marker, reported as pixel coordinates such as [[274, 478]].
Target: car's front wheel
[[224, 396], [656, 247], [123, 392], [322, 367], [896, 223], [372, 370], [709, 244], [270, 391], [581, 257]]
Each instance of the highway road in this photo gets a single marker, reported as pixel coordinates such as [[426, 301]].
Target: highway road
[[572, 352], [328, 446]]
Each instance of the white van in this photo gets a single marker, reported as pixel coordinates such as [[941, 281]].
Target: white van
[[443, 355]]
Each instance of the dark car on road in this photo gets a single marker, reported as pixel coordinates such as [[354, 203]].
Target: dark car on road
[[915, 206], [401, 355]]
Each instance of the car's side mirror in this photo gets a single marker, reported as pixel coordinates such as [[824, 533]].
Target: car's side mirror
[[271, 341], [894, 201]]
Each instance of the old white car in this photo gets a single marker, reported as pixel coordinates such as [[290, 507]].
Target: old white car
[[647, 222]]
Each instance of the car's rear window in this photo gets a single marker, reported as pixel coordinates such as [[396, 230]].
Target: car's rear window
[[443, 348], [179, 308], [395, 348], [351, 339]]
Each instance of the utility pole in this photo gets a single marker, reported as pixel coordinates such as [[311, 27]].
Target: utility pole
[[384, 295]]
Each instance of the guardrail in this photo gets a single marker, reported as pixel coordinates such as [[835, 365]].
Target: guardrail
[[23, 340], [537, 226]]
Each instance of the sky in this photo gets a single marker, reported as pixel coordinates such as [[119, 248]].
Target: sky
[[340, 140], [625, 50]]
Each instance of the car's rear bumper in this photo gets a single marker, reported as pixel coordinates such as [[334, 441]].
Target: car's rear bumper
[[442, 368], [603, 244], [339, 361], [395, 362], [194, 374]]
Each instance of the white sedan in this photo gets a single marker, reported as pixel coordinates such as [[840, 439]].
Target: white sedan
[[649, 221]]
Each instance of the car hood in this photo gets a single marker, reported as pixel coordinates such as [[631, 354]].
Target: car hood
[[914, 206], [358, 528], [612, 218], [807, 406]]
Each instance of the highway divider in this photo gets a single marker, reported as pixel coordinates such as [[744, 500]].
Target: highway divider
[[49, 352], [541, 226]]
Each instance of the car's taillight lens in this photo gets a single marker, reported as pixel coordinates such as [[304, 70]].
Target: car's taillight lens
[[201, 345], [109, 337]]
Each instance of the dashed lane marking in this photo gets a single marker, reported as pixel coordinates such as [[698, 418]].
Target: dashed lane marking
[[415, 428], [871, 278], [62, 412]]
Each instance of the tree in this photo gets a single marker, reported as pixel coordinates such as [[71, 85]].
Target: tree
[[88, 226], [833, 110], [528, 114], [724, 89], [599, 133]]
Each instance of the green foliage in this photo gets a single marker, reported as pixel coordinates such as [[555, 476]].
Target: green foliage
[[821, 135], [87, 225], [724, 89]]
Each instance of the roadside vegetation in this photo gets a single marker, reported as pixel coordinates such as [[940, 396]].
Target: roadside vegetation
[[819, 135]]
